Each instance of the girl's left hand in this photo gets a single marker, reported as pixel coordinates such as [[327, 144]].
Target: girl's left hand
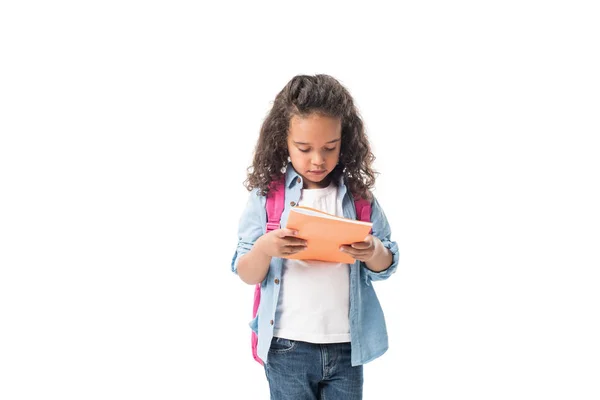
[[362, 251]]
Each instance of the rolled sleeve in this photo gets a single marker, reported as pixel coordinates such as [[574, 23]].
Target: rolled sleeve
[[382, 230], [252, 225]]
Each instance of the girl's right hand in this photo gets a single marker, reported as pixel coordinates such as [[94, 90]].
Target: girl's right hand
[[281, 243]]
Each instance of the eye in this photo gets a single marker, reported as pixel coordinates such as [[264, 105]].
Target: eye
[[307, 150]]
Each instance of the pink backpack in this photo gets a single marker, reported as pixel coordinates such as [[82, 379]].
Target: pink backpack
[[275, 206]]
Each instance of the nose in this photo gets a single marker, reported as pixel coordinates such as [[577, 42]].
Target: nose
[[318, 159]]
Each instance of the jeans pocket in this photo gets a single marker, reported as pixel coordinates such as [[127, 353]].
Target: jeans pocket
[[281, 345]]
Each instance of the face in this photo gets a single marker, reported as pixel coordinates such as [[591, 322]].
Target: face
[[314, 144]]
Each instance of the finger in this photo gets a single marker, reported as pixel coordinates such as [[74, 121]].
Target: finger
[[292, 250], [354, 253], [288, 250], [294, 246], [361, 245], [349, 250], [289, 241], [298, 249], [287, 232], [358, 256]]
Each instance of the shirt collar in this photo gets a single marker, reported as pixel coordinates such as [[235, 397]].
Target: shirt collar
[[291, 175]]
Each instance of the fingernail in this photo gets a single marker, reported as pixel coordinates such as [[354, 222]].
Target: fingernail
[[342, 249]]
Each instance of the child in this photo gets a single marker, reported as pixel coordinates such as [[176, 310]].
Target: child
[[318, 322]]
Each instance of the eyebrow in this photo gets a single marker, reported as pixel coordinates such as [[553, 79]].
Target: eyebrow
[[308, 144]]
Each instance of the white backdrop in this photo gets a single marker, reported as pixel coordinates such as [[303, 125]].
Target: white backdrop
[[126, 129]]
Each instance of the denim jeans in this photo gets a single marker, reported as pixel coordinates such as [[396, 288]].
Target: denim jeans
[[307, 371]]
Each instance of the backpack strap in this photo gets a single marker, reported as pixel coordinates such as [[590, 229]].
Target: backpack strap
[[275, 206], [363, 210]]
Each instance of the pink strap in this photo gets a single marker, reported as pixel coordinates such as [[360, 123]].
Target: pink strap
[[363, 209], [275, 206], [254, 338]]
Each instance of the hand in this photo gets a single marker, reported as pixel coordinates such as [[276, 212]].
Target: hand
[[281, 243], [362, 251]]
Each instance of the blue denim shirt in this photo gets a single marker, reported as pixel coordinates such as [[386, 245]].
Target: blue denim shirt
[[368, 334]]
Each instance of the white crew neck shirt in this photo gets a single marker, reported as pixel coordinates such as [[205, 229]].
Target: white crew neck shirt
[[314, 299]]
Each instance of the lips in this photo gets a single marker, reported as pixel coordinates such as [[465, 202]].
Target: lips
[[317, 172]]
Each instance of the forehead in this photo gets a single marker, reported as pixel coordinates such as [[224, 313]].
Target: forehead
[[315, 128]]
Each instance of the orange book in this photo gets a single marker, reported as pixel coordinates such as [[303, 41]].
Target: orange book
[[325, 234]]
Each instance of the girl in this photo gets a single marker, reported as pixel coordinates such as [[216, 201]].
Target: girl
[[318, 322]]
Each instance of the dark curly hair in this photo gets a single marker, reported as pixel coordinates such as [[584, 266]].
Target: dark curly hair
[[302, 96]]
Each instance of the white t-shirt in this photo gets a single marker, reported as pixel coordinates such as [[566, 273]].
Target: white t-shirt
[[314, 299]]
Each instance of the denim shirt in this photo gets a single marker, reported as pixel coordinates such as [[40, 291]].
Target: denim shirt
[[368, 334]]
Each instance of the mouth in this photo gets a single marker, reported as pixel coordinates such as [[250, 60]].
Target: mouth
[[317, 172]]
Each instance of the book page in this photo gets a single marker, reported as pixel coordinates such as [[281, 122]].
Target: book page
[[321, 214]]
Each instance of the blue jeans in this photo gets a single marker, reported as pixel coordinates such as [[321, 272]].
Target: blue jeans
[[308, 371]]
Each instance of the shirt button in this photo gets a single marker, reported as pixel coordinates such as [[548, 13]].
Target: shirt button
[[271, 322], [276, 281], [298, 180], [293, 203]]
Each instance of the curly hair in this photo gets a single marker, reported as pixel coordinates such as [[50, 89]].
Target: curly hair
[[304, 95]]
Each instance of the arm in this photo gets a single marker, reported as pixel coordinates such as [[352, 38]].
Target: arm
[[251, 228], [383, 232], [378, 253], [372, 252], [255, 248], [381, 259], [253, 266]]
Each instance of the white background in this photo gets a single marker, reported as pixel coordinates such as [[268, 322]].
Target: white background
[[126, 129]]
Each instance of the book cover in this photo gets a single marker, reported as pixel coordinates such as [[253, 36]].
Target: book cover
[[325, 234]]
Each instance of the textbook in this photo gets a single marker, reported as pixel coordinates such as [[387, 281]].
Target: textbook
[[325, 234]]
